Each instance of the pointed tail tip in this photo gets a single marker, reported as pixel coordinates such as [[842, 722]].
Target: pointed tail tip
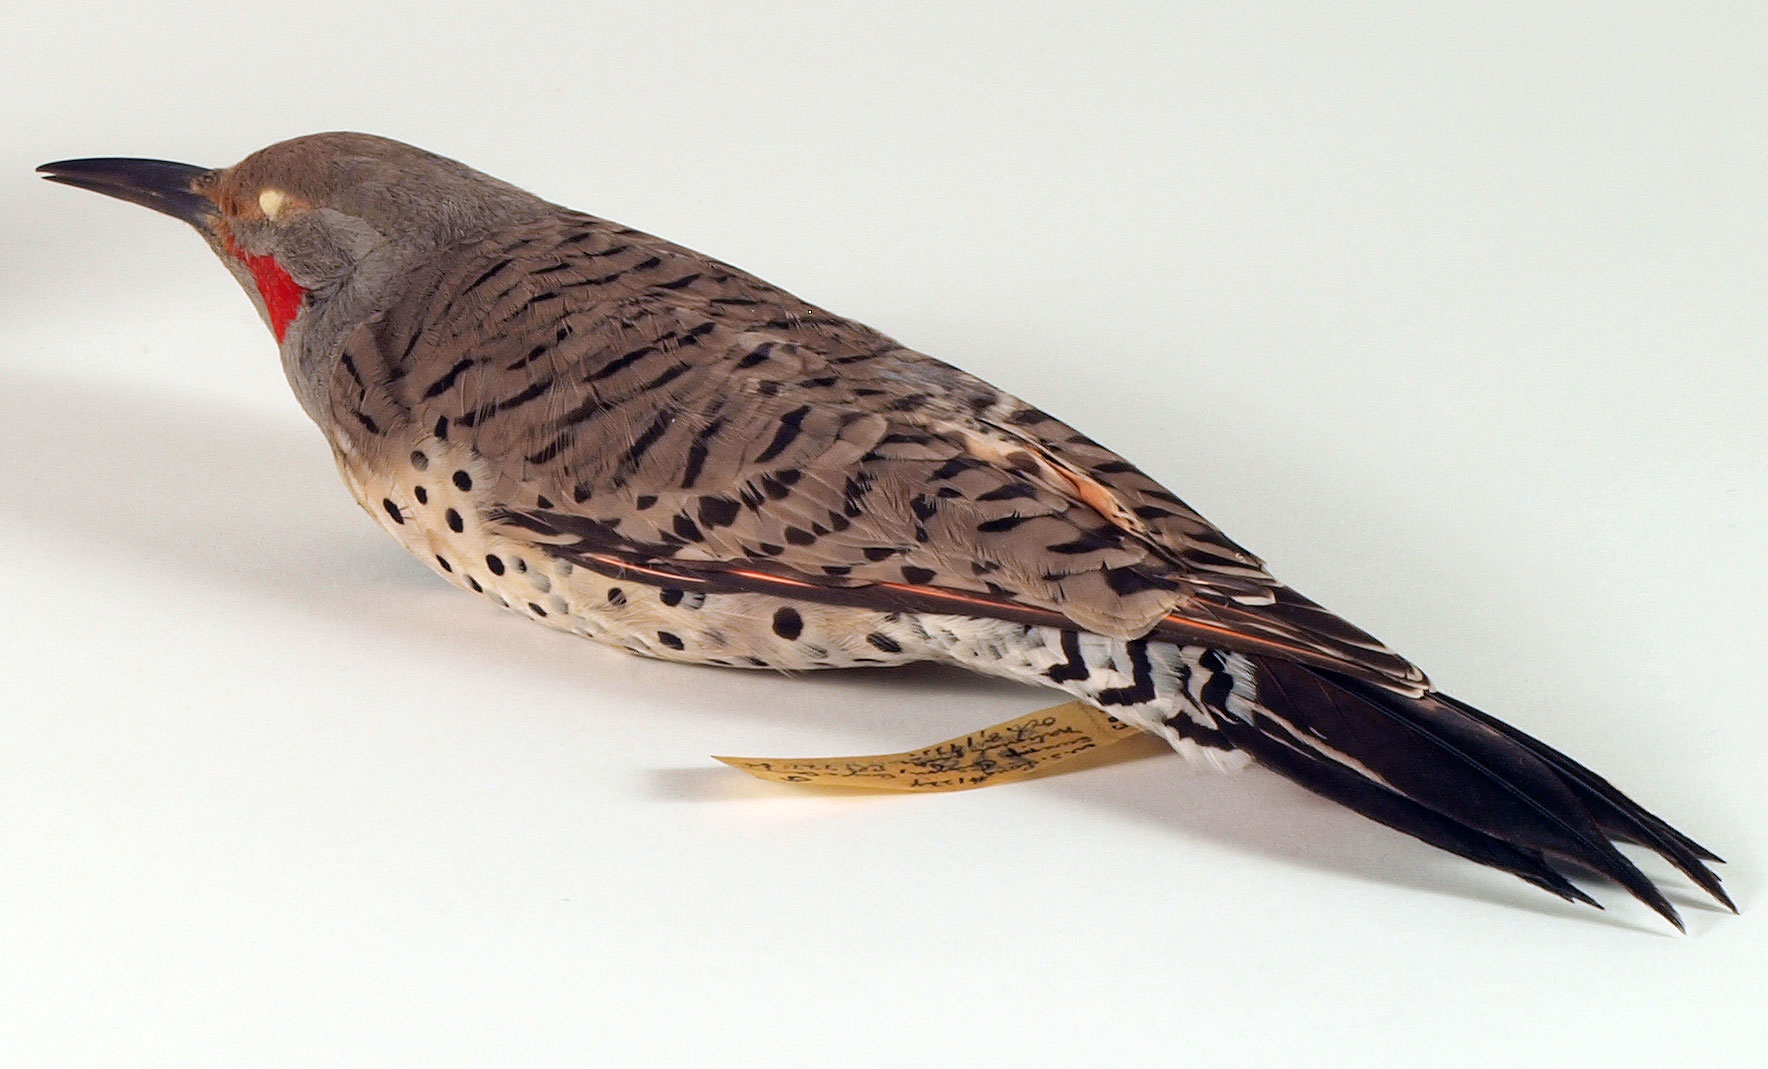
[[1647, 892], [1669, 913], [1653, 900], [1578, 894], [1657, 903], [1718, 894], [1617, 816]]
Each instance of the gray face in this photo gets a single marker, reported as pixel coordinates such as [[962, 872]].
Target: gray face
[[319, 230], [318, 247]]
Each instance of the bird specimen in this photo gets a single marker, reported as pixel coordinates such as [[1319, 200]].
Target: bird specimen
[[622, 438]]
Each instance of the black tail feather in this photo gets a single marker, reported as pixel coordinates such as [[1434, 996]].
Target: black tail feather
[[1618, 815], [1627, 810], [1458, 779], [1271, 745], [1513, 770]]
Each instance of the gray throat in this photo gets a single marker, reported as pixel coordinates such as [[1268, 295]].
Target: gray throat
[[314, 342], [377, 272]]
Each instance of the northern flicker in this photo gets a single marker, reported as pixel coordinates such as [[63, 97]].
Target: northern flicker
[[621, 438]]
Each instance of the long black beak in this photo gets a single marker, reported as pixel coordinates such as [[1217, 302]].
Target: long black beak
[[158, 184]]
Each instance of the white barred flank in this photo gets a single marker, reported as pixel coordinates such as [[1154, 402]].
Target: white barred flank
[[1156, 686]]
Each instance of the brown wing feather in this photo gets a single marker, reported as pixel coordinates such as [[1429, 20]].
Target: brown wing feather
[[645, 407]]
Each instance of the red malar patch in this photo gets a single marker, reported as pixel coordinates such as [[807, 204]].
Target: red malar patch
[[282, 295]]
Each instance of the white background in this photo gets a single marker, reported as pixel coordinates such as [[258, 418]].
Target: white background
[[1457, 318]]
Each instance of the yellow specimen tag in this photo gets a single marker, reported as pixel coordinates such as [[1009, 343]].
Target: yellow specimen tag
[[1020, 748]]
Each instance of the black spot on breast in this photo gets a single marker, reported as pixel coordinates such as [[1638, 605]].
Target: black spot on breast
[[670, 640], [883, 642], [616, 596], [419, 460], [538, 611], [918, 576], [392, 510], [443, 561], [474, 583], [495, 563], [454, 522], [788, 624], [422, 495], [670, 596], [463, 481]]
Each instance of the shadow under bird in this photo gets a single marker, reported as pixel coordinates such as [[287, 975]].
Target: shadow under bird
[[625, 439]]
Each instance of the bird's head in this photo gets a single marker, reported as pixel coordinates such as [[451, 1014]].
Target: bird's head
[[319, 230]]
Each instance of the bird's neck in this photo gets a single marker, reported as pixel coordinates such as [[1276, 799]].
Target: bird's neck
[[315, 338]]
